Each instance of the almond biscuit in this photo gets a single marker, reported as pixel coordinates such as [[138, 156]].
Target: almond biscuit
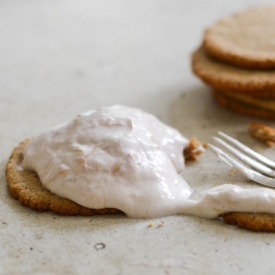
[[245, 39], [26, 187], [257, 83]]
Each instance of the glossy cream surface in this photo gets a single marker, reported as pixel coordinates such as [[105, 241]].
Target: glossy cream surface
[[127, 159], [113, 157]]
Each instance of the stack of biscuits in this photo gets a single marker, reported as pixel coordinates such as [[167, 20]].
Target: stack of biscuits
[[237, 59]]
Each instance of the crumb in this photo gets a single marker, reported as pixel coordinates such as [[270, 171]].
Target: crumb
[[262, 132], [232, 171], [270, 143], [161, 224], [258, 150], [194, 149], [151, 224], [205, 145]]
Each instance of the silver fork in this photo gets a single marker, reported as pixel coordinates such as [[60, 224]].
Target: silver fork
[[251, 164]]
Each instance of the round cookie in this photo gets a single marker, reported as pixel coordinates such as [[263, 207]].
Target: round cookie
[[257, 83], [26, 187], [242, 107], [245, 39], [251, 221]]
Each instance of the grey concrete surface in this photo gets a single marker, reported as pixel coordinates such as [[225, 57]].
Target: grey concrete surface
[[60, 58]]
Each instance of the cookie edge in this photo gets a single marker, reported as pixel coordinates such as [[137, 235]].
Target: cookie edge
[[55, 204]]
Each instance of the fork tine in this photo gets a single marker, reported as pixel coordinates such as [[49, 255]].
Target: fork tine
[[247, 150], [249, 173], [221, 155], [247, 160]]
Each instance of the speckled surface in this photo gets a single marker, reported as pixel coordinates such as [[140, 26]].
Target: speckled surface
[[60, 58]]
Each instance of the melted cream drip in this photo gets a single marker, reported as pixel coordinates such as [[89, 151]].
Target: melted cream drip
[[127, 159]]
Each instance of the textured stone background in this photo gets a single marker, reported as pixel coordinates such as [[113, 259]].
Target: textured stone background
[[59, 58]]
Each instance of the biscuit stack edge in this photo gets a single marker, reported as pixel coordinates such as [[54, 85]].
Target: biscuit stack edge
[[237, 59]]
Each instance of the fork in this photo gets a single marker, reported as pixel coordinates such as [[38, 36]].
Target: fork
[[251, 164]]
